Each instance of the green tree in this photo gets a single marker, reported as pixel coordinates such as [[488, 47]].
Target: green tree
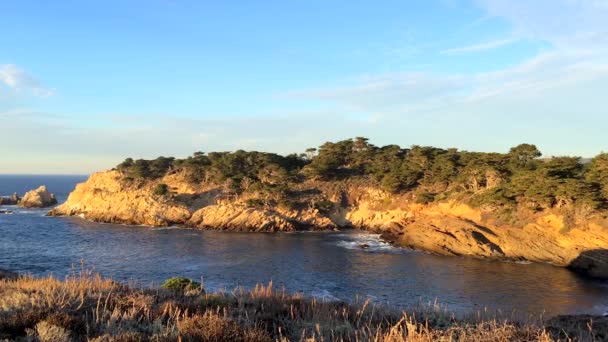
[[597, 173], [522, 156], [563, 167]]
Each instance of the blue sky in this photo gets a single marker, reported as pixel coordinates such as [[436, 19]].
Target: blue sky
[[84, 84]]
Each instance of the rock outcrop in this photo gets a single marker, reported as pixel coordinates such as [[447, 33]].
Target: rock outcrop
[[593, 263], [447, 228], [38, 198], [13, 200], [241, 218], [105, 197]]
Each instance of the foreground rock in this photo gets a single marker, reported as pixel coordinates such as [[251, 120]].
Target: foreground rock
[[38, 198], [556, 236], [593, 263]]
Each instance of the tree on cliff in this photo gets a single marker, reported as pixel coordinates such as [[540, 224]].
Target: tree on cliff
[[597, 173], [523, 155]]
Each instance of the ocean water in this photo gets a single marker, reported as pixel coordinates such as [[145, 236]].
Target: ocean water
[[329, 265]]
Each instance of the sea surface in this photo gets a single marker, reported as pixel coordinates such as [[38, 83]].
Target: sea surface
[[329, 265]]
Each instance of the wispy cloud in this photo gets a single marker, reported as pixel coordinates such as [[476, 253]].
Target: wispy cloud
[[479, 47], [563, 23], [20, 81]]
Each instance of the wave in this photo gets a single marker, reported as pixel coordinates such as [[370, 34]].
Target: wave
[[367, 242], [164, 228], [30, 212]]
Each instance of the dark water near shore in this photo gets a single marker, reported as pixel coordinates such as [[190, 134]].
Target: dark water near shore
[[329, 265]]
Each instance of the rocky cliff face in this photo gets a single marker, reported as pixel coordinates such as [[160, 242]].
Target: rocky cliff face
[[448, 228], [38, 198], [105, 197]]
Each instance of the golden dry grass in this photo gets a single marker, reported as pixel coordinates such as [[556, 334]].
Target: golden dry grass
[[85, 307]]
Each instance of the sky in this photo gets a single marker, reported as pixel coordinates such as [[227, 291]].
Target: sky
[[85, 84]]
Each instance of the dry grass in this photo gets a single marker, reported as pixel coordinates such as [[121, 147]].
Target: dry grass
[[85, 307]]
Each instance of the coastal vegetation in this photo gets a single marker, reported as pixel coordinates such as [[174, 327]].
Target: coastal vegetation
[[482, 179], [86, 307]]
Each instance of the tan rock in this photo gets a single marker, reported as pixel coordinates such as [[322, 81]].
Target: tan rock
[[240, 218], [38, 198], [105, 197]]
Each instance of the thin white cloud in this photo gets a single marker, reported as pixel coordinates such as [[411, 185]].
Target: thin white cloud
[[564, 23], [20, 81], [479, 47]]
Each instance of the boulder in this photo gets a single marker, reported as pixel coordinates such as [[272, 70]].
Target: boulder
[[13, 200], [38, 198], [593, 263]]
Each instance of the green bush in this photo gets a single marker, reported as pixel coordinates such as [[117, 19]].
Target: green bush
[[324, 205], [161, 189], [425, 198], [254, 202], [291, 204], [180, 284]]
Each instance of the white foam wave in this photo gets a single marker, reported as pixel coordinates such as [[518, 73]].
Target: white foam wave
[[368, 242], [31, 212]]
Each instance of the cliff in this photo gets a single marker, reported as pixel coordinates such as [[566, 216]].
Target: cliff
[[449, 227]]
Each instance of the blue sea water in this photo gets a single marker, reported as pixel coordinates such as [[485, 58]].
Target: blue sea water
[[330, 265]]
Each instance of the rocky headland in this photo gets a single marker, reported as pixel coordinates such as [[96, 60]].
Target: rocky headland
[[559, 236]]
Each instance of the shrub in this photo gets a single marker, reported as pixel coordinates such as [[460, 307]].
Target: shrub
[[324, 205], [161, 189], [254, 202], [425, 198], [289, 204], [180, 284]]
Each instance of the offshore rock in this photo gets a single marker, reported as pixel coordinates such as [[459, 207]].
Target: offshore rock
[[38, 198]]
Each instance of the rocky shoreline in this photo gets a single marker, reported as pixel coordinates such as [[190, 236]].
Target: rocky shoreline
[[444, 227]]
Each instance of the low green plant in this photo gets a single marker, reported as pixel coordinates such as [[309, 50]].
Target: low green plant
[[254, 202], [324, 205], [425, 198], [161, 189], [181, 284]]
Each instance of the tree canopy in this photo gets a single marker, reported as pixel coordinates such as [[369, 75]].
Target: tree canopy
[[498, 179]]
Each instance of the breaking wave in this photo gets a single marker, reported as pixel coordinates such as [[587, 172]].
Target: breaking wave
[[372, 243]]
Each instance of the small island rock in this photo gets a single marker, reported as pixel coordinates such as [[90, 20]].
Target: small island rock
[[38, 198], [13, 200]]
